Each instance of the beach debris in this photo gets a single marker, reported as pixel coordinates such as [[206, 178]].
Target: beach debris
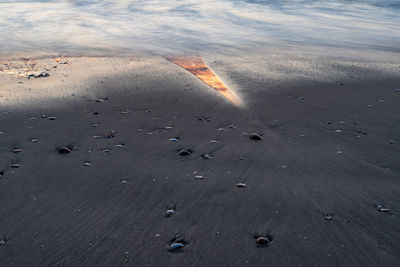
[[177, 243], [106, 150], [52, 118], [207, 156], [263, 240], [120, 145], [110, 135], [184, 152], [221, 129], [34, 140], [397, 89], [170, 211], [99, 100], [174, 139], [328, 217], [383, 209], [241, 185], [17, 150], [169, 127], [64, 150], [148, 111], [381, 101], [301, 98], [200, 177], [123, 182], [87, 163], [3, 241], [15, 166], [205, 118], [97, 136], [37, 75], [255, 136]]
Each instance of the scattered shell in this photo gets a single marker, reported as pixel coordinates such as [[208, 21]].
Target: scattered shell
[[123, 182], [174, 139], [52, 118], [120, 145], [255, 136], [86, 164], [301, 97], [214, 141], [207, 156], [64, 150], [98, 100], [371, 106], [184, 152], [110, 135], [241, 185], [199, 177], [2, 242], [221, 129], [15, 166], [328, 217], [94, 125], [124, 112], [382, 209], [397, 90], [169, 127], [338, 131], [17, 150]]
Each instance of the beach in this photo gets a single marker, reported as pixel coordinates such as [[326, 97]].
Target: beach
[[93, 173]]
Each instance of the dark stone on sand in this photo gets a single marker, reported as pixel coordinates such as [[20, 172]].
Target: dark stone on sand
[[184, 152], [110, 135], [262, 240], [1, 173], [95, 113], [254, 136], [177, 243], [64, 150]]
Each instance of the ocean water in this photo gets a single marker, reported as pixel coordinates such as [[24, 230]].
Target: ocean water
[[174, 26]]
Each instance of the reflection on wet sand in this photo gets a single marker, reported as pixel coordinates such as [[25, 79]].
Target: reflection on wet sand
[[197, 67]]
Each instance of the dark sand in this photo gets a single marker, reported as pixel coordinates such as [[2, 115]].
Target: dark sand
[[57, 212]]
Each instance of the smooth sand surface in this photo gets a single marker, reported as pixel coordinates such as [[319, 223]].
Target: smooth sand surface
[[313, 189]]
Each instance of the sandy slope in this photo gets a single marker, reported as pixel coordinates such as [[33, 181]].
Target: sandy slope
[[55, 211]]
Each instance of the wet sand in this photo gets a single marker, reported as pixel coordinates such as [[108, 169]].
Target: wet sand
[[329, 156]]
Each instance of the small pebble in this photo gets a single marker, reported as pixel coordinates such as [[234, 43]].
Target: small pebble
[[170, 212], [207, 156], [64, 150], [255, 136], [241, 185], [184, 152], [175, 246], [263, 240]]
